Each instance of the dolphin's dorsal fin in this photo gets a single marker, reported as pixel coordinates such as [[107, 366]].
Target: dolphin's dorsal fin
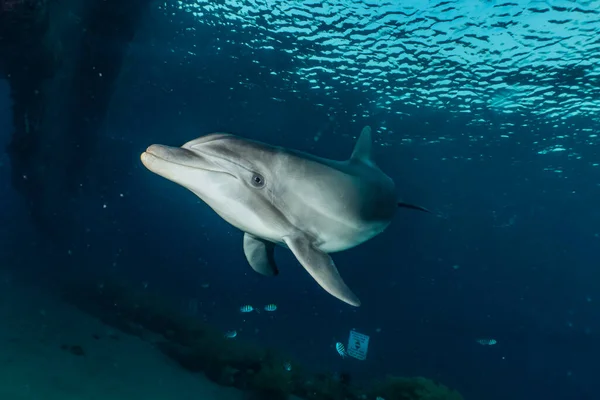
[[362, 149]]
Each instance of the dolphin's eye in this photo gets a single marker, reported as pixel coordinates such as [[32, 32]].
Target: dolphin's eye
[[257, 180]]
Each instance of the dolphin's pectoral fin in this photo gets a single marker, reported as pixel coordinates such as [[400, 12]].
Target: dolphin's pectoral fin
[[413, 206], [260, 255], [321, 267]]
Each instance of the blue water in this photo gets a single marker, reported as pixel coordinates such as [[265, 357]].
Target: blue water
[[489, 119]]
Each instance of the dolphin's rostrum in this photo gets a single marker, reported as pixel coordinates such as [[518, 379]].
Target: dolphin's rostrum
[[311, 205]]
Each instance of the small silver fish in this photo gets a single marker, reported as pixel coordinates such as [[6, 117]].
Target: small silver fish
[[230, 334], [486, 342], [341, 350], [287, 366], [270, 307], [247, 308]]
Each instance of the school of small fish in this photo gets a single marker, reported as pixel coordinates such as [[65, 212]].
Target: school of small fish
[[230, 334], [246, 308], [339, 347]]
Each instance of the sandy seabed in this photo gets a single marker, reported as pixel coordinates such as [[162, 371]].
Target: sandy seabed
[[50, 350]]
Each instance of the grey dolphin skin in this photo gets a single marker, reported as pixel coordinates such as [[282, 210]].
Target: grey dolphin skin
[[277, 196]]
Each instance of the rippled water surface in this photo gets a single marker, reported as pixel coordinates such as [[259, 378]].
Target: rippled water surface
[[492, 62]]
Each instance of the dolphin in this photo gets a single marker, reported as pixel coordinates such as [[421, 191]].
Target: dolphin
[[313, 206]]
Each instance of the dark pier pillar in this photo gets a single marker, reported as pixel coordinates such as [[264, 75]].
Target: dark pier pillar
[[62, 59]]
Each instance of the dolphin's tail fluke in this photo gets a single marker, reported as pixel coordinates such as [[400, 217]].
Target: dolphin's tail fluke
[[412, 206]]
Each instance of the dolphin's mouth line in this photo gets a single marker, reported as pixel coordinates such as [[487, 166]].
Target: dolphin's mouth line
[[237, 164], [219, 157], [190, 166]]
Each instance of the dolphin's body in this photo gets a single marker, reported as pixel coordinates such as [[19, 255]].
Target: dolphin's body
[[311, 205]]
